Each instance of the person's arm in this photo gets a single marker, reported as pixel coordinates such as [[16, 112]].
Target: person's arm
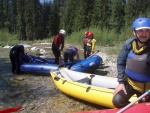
[[84, 42], [78, 56], [121, 63], [119, 88], [93, 46], [62, 45], [21, 49], [121, 66], [56, 41]]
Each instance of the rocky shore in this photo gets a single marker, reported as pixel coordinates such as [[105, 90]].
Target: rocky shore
[[37, 93]]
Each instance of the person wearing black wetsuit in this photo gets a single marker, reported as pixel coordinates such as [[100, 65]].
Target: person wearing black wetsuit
[[15, 53]]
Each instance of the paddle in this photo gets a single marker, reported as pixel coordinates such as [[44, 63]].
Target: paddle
[[93, 54], [129, 105], [12, 109]]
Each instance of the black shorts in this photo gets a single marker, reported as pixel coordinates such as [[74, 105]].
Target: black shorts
[[68, 55]]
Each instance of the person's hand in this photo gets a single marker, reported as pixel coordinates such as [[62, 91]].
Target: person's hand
[[91, 53], [148, 104], [119, 88], [145, 98], [60, 49], [82, 50]]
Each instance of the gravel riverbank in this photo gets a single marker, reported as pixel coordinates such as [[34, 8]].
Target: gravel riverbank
[[37, 93]]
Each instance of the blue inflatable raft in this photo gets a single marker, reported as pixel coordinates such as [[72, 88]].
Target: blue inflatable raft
[[44, 65]]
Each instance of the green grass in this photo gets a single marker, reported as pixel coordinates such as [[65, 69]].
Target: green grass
[[105, 38], [7, 39]]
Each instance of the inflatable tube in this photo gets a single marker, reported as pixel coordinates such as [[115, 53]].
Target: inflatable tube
[[31, 63], [87, 65], [92, 88]]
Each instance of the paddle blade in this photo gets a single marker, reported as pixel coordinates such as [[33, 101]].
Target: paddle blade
[[137, 108], [12, 109]]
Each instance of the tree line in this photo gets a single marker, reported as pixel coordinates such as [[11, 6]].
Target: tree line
[[33, 20]]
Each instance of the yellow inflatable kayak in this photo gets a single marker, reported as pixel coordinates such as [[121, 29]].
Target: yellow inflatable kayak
[[88, 87]]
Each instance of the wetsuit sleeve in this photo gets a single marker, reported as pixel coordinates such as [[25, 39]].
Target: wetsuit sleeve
[[62, 46], [121, 63], [84, 44], [78, 58], [22, 51], [56, 41], [93, 45]]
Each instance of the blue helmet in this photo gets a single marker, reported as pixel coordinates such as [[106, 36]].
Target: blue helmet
[[141, 23]]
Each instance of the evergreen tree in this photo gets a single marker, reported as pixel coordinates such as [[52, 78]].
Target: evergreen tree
[[48, 19], [80, 15], [130, 12], [1, 14], [55, 16], [117, 16], [38, 22], [33, 19], [142, 6], [12, 16], [97, 14], [67, 15], [4, 10], [83, 14], [21, 20], [102, 16]]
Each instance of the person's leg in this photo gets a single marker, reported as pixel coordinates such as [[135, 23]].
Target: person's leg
[[121, 99], [88, 50], [15, 56], [53, 50], [12, 61], [71, 56], [85, 52], [65, 58], [56, 53], [17, 64]]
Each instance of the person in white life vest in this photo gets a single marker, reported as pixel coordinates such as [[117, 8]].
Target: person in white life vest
[[133, 65]]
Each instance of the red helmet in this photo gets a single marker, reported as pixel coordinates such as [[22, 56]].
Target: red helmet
[[86, 32], [90, 34]]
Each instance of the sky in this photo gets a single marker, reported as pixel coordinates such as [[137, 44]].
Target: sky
[[44, 0]]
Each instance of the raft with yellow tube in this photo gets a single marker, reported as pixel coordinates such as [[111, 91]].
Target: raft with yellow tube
[[88, 87]]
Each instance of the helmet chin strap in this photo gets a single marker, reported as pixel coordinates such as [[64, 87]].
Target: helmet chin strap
[[140, 41]]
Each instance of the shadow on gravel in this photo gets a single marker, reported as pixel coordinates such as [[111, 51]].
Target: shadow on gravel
[[86, 103], [4, 73], [21, 89], [101, 72]]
